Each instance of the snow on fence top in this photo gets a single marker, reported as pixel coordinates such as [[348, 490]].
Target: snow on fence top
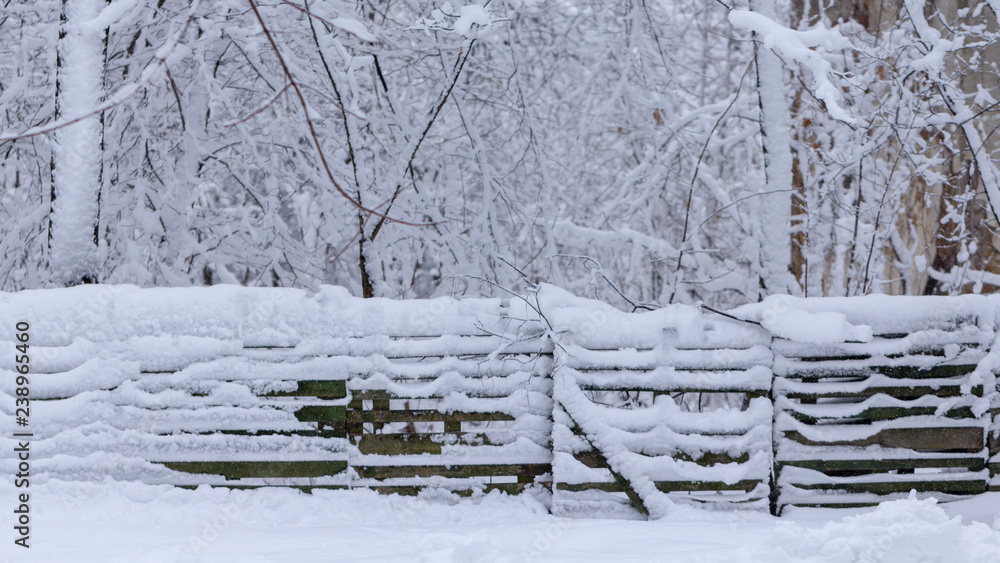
[[254, 316], [881, 314]]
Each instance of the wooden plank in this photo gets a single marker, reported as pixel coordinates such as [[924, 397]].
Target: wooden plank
[[308, 489], [902, 392], [844, 367], [678, 389], [878, 465], [455, 470], [413, 346], [881, 413], [413, 490], [890, 347], [666, 486], [723, 433], [260, 469], [322, 413], [410, 443], [955, 487], [327, 432], [592, 459], [355, 416], [746, 485], [326, 389], [536, 383], [957, 439], [911, 372]]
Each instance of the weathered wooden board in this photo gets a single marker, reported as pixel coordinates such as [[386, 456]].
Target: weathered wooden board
[[875, 420]]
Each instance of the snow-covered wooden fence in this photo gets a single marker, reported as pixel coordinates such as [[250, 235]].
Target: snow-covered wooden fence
[[789, 401], [664, 405], [875, 397], [244, 387]]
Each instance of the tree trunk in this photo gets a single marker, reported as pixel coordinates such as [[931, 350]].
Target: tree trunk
[[776, 198], [77, 164]]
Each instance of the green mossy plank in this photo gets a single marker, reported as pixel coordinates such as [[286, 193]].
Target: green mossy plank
[[636, 389], [735, 432], [400, 444], [818, 504], [960, 439], [592, 459], [329, 431], [883, 413], [913, 372], [803, 369], [456, 471], [322, 413], [260, 469], [745, 485], [328, 389], [880, 465], [509, 488], [579, 487], [666, 486], [385, 416], [901, 392], [970, 487], [240, 486], [371, 395]]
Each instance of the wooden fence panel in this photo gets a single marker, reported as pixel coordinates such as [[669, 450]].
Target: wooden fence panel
[[859, 423], [246, 387], [685, 417]]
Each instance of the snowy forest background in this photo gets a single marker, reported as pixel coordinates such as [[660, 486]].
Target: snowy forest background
[[640, 151]]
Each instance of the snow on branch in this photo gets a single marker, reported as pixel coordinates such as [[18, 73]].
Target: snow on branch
[[802, 47], [468, 21], [932, 63]]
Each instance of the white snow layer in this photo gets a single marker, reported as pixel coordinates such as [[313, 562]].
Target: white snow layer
[[119, 522]]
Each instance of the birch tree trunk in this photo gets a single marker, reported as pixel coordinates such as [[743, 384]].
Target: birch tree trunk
[[776, 195], [77, 156]]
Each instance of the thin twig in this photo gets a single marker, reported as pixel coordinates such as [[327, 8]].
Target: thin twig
[[312, 127], [735, 318]]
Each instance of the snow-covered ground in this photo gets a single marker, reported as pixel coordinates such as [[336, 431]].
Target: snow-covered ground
[[133, 523]]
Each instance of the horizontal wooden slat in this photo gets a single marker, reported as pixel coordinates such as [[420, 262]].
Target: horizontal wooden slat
[[957, 487], [386, 416], [414, 443], [875, 465], [924, 341], [260, 469], [666, 486], [327, 414], [454, 470], [462, 490], [671, 380], [876, 413], [593, 459], [332, 389], [969, 439], [905, 391], [869, 367]]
